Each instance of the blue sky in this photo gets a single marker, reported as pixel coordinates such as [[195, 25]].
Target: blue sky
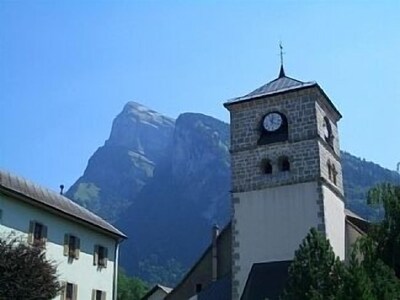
[[68, 67]]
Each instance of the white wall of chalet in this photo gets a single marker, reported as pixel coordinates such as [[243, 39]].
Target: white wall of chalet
[[15, 216]]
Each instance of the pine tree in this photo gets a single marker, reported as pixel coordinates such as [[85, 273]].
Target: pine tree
[[370, 272], [356, 281], [386, 233], [384, 283], [316, 273]]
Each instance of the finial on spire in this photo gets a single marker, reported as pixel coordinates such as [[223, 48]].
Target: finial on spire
[[282, 71]]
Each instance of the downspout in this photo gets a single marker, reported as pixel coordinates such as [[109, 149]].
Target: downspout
[[214, 262], [115, 279]]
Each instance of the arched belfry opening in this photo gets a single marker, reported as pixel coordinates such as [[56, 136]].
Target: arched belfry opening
[[266, 166], [284, 164]]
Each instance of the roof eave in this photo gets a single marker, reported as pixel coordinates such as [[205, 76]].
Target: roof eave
[[283, 91], [268, 94], [339, 115], [10, 192]]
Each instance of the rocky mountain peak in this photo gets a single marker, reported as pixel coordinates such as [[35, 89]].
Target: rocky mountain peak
[[140, 128], [138, 112]]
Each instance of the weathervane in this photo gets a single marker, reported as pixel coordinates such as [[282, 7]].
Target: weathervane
[[282, 71], [281, 48]]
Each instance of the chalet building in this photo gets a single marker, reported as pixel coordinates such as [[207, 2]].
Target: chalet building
[[84, 246], [286, 179]]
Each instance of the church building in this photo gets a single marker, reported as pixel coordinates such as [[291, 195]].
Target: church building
[[286, 179]]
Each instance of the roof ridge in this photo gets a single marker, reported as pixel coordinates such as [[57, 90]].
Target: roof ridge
[[28, 188]]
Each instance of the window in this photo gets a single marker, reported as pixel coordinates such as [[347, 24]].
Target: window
[[329, 169], [334, 175], [100, 256], [198, 288], [98, 295], [1, 216], [71, 246], [37, 233], [266, 166], [284, 164], [70, 291]]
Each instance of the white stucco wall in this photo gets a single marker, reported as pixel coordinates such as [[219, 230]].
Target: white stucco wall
[[334, 221], [271, 223], [16, 217]]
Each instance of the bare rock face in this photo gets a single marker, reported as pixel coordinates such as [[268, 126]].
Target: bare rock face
[[200, 144], [141, 129], [118, 171], [174, 213]]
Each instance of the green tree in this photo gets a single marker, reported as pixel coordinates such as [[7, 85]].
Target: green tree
[[370, 271], [384, 284], [386, 233], [357, 283], [130, 288], [316, 273], [25, 273]]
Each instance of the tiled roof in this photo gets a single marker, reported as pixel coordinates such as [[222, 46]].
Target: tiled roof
[[279, 85], [18, 185]]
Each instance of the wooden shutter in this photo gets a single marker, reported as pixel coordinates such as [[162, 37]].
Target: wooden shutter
[[93, 294], [30, 233], [66, 244], [75, 292], [44, 234], [103, 295], [63, 290], [105, 257], [96, 255], [77, 247]]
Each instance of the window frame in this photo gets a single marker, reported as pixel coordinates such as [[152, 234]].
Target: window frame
[[64, 294], [100, 260], [35, 237], [95, 294], [75, 251]]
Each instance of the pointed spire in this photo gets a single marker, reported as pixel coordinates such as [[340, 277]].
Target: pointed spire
[[282, 71]]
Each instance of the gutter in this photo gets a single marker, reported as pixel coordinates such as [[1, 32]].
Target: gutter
[[115, 277]]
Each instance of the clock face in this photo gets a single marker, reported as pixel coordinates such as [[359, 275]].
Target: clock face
[[272, 122]]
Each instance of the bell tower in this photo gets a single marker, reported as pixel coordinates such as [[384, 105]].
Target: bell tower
[[286, 173]]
